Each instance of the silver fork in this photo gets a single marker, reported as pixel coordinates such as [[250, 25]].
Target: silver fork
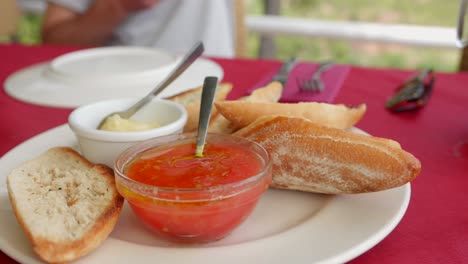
[[314, 83]]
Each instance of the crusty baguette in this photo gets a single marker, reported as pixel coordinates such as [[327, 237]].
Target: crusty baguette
[[191, 100], [66, 205], [220, 125], [270, 93], [313, 158], [242, 113]]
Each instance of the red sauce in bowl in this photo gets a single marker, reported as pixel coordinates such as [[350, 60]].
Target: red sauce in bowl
[[176, 167], [195, 200]]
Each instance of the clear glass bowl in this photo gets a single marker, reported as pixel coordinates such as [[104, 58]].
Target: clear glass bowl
[[193, 215]]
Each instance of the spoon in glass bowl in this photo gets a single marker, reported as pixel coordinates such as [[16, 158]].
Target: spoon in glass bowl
[[208, 93], [186, 61]]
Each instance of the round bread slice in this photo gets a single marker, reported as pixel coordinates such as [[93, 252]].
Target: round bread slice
[[66, 205]]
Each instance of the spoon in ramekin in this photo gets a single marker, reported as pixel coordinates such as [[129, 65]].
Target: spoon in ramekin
[[186, 61]]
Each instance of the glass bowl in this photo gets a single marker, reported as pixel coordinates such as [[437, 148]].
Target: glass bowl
[[194, 214]]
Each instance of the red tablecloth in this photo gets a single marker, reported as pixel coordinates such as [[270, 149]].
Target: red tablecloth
[[435, 226]]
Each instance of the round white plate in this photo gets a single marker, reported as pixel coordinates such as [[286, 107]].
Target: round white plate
[[36, 85], [111, 65], [286, 225]]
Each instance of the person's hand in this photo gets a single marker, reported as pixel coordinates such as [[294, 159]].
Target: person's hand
[[93, 27]]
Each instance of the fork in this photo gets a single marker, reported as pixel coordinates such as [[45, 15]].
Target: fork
[[314, 83]]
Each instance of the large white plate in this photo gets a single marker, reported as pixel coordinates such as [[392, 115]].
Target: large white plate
[[286, 225], [34, 85]]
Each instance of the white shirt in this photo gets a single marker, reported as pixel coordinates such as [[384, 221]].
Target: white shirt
[[175, 25]]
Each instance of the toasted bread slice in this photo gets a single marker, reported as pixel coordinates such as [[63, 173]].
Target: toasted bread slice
[[270, 93], [66, 205], [242, 113], [191, 101], [313, 158]]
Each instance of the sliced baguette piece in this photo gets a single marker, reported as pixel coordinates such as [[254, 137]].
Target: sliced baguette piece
[[242, 113], [220, 125], [270, 93], [313, 158], [191, 100], [66, 205]]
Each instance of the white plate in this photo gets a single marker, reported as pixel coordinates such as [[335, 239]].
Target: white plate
[[111, 65], [36, 85], [286, 225]]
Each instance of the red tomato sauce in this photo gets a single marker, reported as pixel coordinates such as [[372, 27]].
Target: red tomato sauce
[[177, 167], [201, 218]]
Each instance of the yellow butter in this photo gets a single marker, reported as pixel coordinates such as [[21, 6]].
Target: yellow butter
[[117, 123]]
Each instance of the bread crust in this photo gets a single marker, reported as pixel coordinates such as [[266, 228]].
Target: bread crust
[[313, 158], [54, 252], [243, 113], [270, 93], [191, 100]]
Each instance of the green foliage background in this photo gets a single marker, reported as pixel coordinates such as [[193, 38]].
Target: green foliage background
[[418, 12], [421, 12]]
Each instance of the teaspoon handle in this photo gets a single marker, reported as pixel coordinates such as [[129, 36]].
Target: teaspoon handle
[[188, 59], [208, 93]]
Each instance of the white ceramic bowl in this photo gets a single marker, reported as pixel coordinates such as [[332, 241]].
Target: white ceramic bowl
[[111, 65], [104, 146]]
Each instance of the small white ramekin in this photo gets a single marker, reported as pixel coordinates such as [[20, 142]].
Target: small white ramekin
[[104, 146]]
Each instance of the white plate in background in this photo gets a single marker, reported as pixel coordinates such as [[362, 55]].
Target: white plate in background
[[91, 75], [286, 226], [110, 65]]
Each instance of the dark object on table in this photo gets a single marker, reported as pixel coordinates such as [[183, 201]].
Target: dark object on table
[[413, 93]]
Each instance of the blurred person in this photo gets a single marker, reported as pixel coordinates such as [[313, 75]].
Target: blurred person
[[174, 25]]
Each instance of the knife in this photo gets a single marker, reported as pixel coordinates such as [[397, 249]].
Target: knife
[[282, 75]]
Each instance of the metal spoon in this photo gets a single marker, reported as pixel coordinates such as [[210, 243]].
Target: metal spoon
[[186, 61], [208, 93]]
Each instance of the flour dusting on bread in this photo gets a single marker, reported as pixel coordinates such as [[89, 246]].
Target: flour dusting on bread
[[66, 205], [308, 157]]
